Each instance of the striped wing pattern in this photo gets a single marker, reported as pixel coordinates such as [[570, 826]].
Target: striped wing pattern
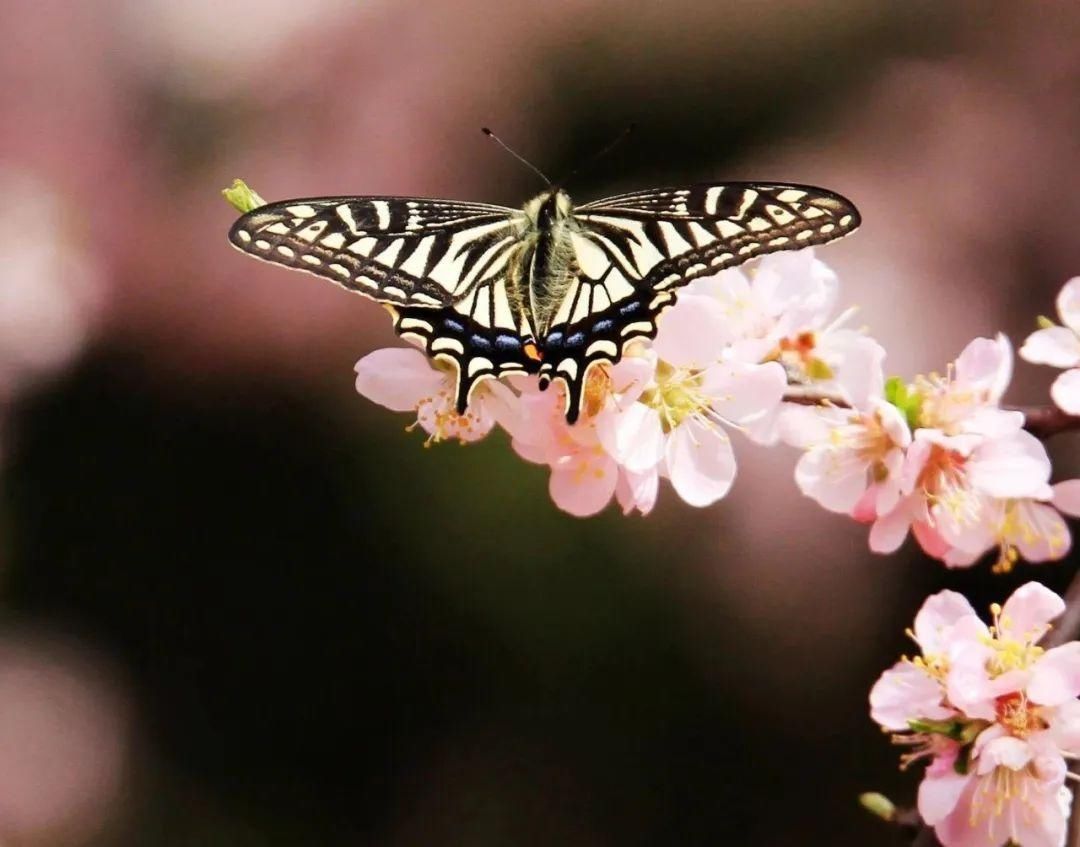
[[455, 275], [636, 249], [400, 251]]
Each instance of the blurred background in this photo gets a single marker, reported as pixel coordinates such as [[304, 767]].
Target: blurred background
[[241, 607]]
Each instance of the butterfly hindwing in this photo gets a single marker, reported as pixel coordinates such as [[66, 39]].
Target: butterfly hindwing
[[400, 251], [634, 250]]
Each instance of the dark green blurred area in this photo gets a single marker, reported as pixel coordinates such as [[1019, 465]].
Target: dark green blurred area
[[333, 636]]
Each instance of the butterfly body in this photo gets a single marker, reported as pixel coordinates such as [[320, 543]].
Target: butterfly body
[[549, 289]]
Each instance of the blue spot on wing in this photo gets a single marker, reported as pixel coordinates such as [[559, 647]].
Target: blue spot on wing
[[507, 343], [480, 343], [629, 308], [576, 340], [603, 326], [453, 326]]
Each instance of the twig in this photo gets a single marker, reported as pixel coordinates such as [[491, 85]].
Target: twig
[[1041, 421]]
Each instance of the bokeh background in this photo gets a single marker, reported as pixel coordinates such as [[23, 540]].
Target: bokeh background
[[240, 606]]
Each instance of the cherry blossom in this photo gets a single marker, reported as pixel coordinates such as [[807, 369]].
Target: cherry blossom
[[404, 380], [1059, 346], [993, 713]]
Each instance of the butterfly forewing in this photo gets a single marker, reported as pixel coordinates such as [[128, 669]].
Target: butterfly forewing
[[405, 252], [636, 249]]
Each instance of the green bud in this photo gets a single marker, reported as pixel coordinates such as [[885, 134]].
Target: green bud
[[879, 805], [242, 198], [950, 729], [1044, 322], [896, 391]]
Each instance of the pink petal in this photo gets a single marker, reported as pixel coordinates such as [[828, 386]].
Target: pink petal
[[1068, 304], [859, 372], [905, 693], [1067, 497], [936, 618], [1030, 609], [889, 531], [1055, 679], [986, 365], [583, 485], [1066, 392], [637, 491], [1056, 346], [693, 332], [741, 393], [1042, 534], [930, 540], [399, 378], [1064, 729], [632, 375], [836, 479], [700, 463], [940, 790]]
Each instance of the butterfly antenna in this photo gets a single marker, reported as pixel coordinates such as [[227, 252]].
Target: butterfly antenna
[[515, 154], [603, 151]]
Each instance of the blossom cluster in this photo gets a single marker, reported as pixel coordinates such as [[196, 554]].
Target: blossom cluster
[[993, 714], [758, 352], [723, 360], [940, 458]]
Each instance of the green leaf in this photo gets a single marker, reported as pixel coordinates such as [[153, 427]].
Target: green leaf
[[899, 395], [242, 198]]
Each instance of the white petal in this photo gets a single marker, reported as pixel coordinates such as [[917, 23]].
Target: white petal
[[836, 479], [633, 436], [700, 463], [1066, 392], [1015, 466], [1068, 304], [889, 531], [1056, 346]]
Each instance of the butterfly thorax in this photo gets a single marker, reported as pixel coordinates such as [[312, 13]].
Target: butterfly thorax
[[550, 223]]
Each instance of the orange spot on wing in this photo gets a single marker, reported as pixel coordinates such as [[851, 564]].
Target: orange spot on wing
[[533, 352]]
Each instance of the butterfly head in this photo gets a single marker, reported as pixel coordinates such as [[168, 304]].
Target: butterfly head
[[549, 207]]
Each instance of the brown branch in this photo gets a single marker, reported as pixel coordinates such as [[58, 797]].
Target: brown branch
[[1041, 421]]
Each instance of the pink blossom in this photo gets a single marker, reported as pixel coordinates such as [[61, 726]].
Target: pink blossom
[[995, 715], [854, 461], [1059, 346], [404, 380], [966, 400]]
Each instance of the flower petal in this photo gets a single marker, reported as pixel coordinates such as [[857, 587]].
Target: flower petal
[[1029, 611], [936, 618], [1068, 304], [1056, 346], [1055, 678], [905, 693], [693, 332], [583, 484], [1014, 466], [741, 392], [940, 790], [1067, 497], [700, 463], [634, 436], [399, 378], [889, 531], [1066, 392]]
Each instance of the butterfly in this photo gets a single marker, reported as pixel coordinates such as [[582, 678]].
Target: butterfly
[[551, 289]]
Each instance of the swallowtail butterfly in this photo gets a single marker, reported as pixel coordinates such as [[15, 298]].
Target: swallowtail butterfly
[[549, 289]]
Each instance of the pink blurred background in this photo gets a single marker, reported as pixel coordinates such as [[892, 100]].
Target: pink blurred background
[[953, 126]]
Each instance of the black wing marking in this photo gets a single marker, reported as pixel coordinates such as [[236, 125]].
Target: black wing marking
[[396, 250], [636, 249], [476, 347]]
